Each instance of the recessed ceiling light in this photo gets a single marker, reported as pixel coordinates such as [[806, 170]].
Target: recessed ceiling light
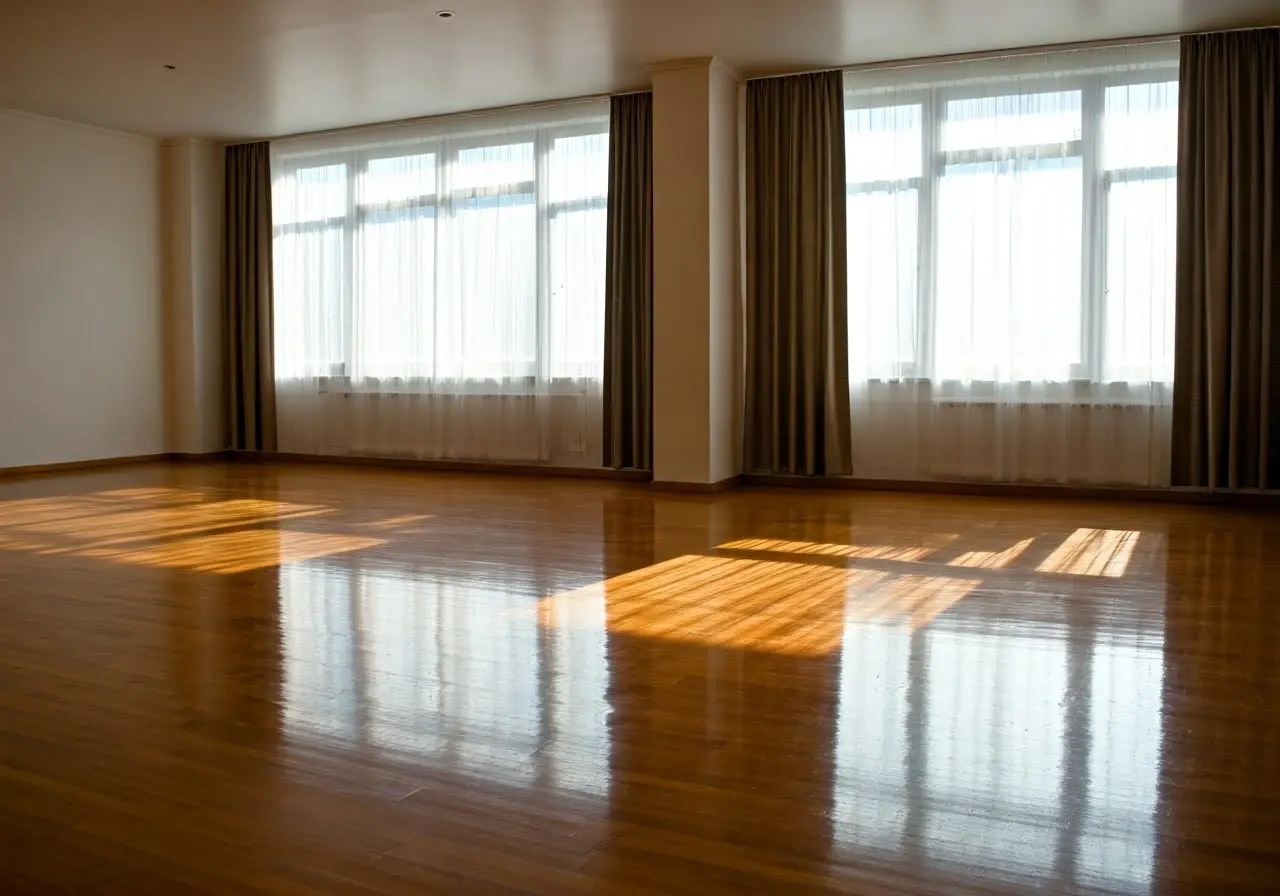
[[445, 14]]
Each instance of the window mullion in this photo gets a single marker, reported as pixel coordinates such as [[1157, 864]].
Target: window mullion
[[927, 233], [542, 225], [355, 170], [1093, 273]]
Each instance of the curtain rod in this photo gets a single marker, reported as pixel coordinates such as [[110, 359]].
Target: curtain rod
[[1008, 53]]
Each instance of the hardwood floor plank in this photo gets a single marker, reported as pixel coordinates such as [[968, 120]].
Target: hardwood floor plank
[[229, 678]]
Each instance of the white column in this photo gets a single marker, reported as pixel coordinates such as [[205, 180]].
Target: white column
[[194, 388], [695, 272]]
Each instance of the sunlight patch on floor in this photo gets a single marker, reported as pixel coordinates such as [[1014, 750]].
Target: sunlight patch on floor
[[1093, 552]]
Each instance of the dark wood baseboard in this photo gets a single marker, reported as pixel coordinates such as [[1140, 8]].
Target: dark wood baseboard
[[1200, 496], [188, 457], [1238, 497], [697, 488], [445, 466], [103, 463], [78, 466]]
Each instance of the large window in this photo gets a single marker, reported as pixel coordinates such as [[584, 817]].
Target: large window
[[1011, 225], [471, 262]]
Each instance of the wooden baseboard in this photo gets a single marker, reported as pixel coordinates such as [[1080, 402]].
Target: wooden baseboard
[[103, 463], [77, 466], [697, 488], [444, 466], [1239, 497], [189, 457]]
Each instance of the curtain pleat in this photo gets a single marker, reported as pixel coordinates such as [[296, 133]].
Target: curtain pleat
[[628, 325], [1226, 402], [247, 272], [797, 390]]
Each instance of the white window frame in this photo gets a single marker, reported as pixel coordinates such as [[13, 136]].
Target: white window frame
[[446, 151], [1096, 186]]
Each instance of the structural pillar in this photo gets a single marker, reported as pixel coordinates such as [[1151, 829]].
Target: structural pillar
[[696, 347], [195, 405]]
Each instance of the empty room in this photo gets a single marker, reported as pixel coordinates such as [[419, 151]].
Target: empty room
[[639, 447]]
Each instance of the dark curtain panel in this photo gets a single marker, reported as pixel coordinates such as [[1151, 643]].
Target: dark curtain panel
[[628, 320], [246, 260], [1226, 394], [797, 392]]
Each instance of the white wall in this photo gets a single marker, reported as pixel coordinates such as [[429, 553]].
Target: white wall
[[81, 365]]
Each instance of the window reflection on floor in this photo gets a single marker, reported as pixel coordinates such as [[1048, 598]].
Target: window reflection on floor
[[972, 744], [993, 734], [871, 736], [1117, 848], [317, 617], [456, 674]]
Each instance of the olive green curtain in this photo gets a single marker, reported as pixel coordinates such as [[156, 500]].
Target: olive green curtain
[[246, 259], [797, 390], [1226, 397], [628, 321]]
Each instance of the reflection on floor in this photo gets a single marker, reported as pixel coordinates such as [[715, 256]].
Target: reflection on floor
[[282, 679]]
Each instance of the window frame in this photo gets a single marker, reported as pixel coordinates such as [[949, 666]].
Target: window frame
[[1089, 372], [443, 204]]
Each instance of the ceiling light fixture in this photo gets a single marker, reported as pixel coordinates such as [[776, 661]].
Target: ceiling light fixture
[[445, 14]]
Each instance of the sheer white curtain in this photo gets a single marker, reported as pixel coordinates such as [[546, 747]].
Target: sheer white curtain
[[439, 288], [1011, 267]]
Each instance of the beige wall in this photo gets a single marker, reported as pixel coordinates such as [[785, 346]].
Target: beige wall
[[80, 293], [695, 207], [724, 380], [195, 421]]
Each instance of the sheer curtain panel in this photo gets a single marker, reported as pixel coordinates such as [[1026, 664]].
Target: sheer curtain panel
[[440, 288], [1011, 257]]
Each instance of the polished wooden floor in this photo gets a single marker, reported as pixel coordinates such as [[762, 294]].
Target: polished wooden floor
[[285, 679]]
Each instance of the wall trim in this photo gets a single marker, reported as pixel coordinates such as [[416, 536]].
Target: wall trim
[[76, 466], [79, 125], [104, 463], [443, 466], [697, 488], [1154, 494]]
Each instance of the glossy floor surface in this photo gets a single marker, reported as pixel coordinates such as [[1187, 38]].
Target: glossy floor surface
[[280, 679]]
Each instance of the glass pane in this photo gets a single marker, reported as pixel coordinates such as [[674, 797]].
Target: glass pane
[[397, 179], [883, 266], [1008, 271], [488, 303], [1141, 245], [309, 281], [494, 166], [395, 295], [1029, 119], [579, 167], [882, 143], [576, 313], [1140, 126], [309, 194]]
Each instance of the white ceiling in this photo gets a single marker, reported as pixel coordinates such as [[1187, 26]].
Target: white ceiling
[[258, 68]]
